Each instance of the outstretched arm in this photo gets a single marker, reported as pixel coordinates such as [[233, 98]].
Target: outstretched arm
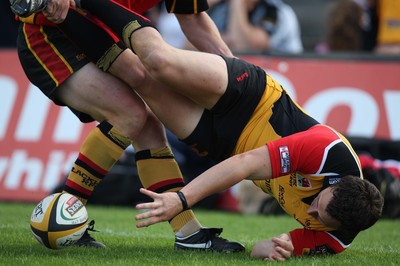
[[254, 164]]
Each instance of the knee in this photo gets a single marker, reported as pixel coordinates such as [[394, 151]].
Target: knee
[[134, 122], [152, 135], [157, 62], [156, 127], [130, 69], [131, 121]]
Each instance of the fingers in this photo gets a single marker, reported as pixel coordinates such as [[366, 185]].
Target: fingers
[[153, 216], [148, 222], [283, 247], [164, 207], [283, 243], [148, 214], [149, 193], [283, 252], [57, 10], [147, 205], [155, 212]]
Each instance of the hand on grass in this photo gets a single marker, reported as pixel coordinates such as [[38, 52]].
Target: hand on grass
[[277, 249], [164, 207]]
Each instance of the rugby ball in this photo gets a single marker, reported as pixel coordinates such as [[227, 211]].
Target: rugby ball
[[59, 220]]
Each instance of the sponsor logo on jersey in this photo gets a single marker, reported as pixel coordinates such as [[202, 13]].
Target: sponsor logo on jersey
[[307, 224], [333, 180], [285, 159], [302, 182], [321, 250], [242, 77], [292, 180], [201, 153], [80, 56], [268, 186], [281, 196]]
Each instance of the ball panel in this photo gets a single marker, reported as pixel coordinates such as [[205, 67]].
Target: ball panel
[[41, 237], [68, 213], [40, 216], [66, 238]]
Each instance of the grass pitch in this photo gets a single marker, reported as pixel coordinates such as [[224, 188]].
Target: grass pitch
[[127, 245]]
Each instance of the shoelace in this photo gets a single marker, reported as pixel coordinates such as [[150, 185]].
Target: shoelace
[[91, 226], [214, 233]]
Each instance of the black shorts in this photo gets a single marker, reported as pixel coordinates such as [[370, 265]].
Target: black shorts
[[48, 58], [219, 128]]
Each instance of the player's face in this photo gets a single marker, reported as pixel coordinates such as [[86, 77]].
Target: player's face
[[318, 209]]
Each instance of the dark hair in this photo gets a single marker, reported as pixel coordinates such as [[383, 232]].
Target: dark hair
[[344, 32], [356, 203]]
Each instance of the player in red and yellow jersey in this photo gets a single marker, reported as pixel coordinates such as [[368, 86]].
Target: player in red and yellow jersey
[[309, 168], [64, 73], [237, 114]]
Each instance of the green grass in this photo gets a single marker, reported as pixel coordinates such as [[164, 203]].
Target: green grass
[[127, 245]]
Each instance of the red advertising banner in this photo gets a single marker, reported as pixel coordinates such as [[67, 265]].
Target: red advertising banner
[[358, 98], [39, 141]]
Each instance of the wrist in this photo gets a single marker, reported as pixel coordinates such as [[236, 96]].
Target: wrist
[[183, 200]]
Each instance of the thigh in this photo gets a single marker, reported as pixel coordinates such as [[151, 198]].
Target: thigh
[[48, 58], [102, 96], [66, 76], [176, 111]]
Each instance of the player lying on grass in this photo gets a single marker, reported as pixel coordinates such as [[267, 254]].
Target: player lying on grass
[[64, 73], [224, 106]]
